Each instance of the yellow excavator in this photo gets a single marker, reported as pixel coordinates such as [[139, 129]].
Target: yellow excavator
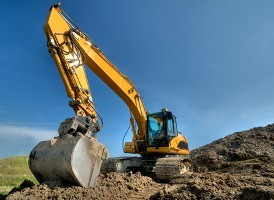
[[75, 156]]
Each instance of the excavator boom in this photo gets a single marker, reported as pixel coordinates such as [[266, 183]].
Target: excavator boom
[[75, 156], [76, 145]]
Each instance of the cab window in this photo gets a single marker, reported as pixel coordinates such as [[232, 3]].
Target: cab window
[[171, 127], [156, 130]]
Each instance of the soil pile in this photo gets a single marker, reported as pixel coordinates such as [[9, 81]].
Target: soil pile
[[246, 153], [212, 185], [239, 166], [253, 144], [110, 186]]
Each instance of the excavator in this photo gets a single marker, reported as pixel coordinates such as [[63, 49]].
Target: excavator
[[75, 156]]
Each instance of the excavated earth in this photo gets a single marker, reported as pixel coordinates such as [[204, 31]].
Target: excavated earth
[[239, 166]]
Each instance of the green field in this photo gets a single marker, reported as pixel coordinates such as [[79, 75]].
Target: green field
[[13, 171]]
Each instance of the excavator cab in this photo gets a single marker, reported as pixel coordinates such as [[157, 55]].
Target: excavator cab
[[162, 127]]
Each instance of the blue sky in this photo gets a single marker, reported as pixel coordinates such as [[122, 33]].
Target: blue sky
[[210, 62]]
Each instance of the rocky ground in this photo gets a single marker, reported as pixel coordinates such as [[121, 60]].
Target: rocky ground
[[239, 166]]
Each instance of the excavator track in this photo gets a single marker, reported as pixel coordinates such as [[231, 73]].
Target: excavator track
[[120, 164], [172, 167]]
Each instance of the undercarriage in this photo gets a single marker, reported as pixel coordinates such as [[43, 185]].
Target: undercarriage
[[163, 169]]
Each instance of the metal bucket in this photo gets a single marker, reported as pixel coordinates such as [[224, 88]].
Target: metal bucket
[[75, 160]]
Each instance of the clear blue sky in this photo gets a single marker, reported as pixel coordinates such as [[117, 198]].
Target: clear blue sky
[[210, 62]]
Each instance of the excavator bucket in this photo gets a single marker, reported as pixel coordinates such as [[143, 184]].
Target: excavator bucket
[[75, 160]]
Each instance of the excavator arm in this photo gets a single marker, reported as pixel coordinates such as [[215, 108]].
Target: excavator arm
[[77, 154], [71, 48]]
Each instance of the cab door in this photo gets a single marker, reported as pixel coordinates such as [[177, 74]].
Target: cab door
[[157, 134]]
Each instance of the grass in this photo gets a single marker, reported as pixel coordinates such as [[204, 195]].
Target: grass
[[13, 171]]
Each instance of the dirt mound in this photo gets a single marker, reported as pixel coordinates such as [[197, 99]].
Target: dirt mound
[[212, 185], [243, 145], [110, 186], [239, 166], [247, 152]]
